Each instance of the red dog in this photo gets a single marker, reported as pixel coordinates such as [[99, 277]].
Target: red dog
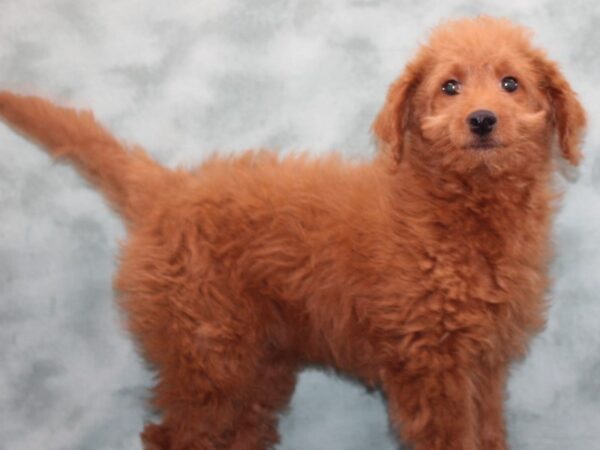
[[422, 272]]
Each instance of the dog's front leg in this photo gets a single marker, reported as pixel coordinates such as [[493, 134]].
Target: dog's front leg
[[432, 407], [491, 393]]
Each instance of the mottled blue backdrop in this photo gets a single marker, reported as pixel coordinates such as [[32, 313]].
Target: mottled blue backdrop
[[185, 78]]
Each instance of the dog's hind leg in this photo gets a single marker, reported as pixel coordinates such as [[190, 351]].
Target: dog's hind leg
[[199, 416], [203, 390], [219, 386], [257, 426]]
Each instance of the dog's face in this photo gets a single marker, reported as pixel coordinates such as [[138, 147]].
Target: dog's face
[[480, 96]]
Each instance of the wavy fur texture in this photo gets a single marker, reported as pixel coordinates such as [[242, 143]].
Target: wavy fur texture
[[422, 272]]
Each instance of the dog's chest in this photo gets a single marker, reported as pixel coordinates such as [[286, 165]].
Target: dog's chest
[[462, 273], [481, 290]]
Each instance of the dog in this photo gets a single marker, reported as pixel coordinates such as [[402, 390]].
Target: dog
[[422, 272]]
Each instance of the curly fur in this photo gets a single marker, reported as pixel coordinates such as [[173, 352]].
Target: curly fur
[[422, 272]]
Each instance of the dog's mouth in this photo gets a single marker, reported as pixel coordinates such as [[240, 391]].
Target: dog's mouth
[[484, 144]]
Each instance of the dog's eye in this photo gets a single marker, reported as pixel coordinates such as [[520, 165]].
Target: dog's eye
[[510, 84], [451, 87]]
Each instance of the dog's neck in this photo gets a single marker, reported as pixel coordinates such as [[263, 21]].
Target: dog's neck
[[456, 203]]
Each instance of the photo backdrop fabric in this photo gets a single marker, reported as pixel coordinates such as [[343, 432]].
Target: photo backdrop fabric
[[187, 78]]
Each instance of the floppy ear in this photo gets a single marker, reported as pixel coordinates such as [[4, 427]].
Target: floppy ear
[[567, 113], [390, 124]]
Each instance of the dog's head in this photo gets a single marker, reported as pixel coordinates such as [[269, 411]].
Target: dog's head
[[479, 95]]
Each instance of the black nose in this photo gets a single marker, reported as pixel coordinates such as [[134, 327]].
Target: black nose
[[482, 122]]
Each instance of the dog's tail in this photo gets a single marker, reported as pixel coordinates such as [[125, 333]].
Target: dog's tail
[[127, 177]]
